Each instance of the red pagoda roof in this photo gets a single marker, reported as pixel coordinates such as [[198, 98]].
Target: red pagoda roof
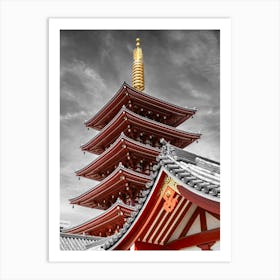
[[107, 223], [140, 102], [118, 181], [124, 150], [128, 122]]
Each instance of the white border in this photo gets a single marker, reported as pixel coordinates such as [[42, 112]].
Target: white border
[[55, 25]]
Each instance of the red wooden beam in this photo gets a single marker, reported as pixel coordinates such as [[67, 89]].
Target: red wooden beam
[[190, 222], [203, 223], [206, 246], [214, 215], [151, 219], [176, 224], [205, 203], [147, 246], [204, 237], [167, 220], [152, 231]]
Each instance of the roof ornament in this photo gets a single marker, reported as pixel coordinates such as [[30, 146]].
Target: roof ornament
[[138, 68], [167, 148]]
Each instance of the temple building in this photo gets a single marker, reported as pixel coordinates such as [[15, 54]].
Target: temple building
[[155, 195]]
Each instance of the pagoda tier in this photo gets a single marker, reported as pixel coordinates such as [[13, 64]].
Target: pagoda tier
[[107, 223], [123, 183], [132, 154], [142, 104], [139, 128]]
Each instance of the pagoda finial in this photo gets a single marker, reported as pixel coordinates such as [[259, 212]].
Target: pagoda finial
[[138, 68]]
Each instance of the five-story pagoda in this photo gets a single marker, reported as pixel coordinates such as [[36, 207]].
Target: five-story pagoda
[[131, 126]]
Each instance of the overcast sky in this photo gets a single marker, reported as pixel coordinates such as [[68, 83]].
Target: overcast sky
[[182, 67]]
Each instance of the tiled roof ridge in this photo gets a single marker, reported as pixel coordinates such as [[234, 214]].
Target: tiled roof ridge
[[99, 242], [189, 179], [182, 155], [78, 242], [201, 173], [82, 236]]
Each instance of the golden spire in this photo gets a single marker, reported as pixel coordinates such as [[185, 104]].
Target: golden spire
[[138, 68]]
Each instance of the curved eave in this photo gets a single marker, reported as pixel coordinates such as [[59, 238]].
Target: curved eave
[[109, 184], [181, 112], [125, 117], [106, 217], [116, 153], [132, 230], [192, 184], [206, 201], [117, 100], [99, 120], [188, 185], [122, 137], [194, 178]]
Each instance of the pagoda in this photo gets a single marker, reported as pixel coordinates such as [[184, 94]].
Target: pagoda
[[129, 143]]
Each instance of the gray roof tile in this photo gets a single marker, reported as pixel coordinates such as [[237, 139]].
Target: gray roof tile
[[76, 242]]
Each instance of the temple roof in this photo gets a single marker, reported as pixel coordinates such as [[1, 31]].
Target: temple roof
[[71, 242], [197, 172], [198, 181], [112, 184], [175, 114], [122, 149], [125, 120]]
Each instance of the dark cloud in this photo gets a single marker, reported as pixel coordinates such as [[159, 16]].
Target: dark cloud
[[182, 67]]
